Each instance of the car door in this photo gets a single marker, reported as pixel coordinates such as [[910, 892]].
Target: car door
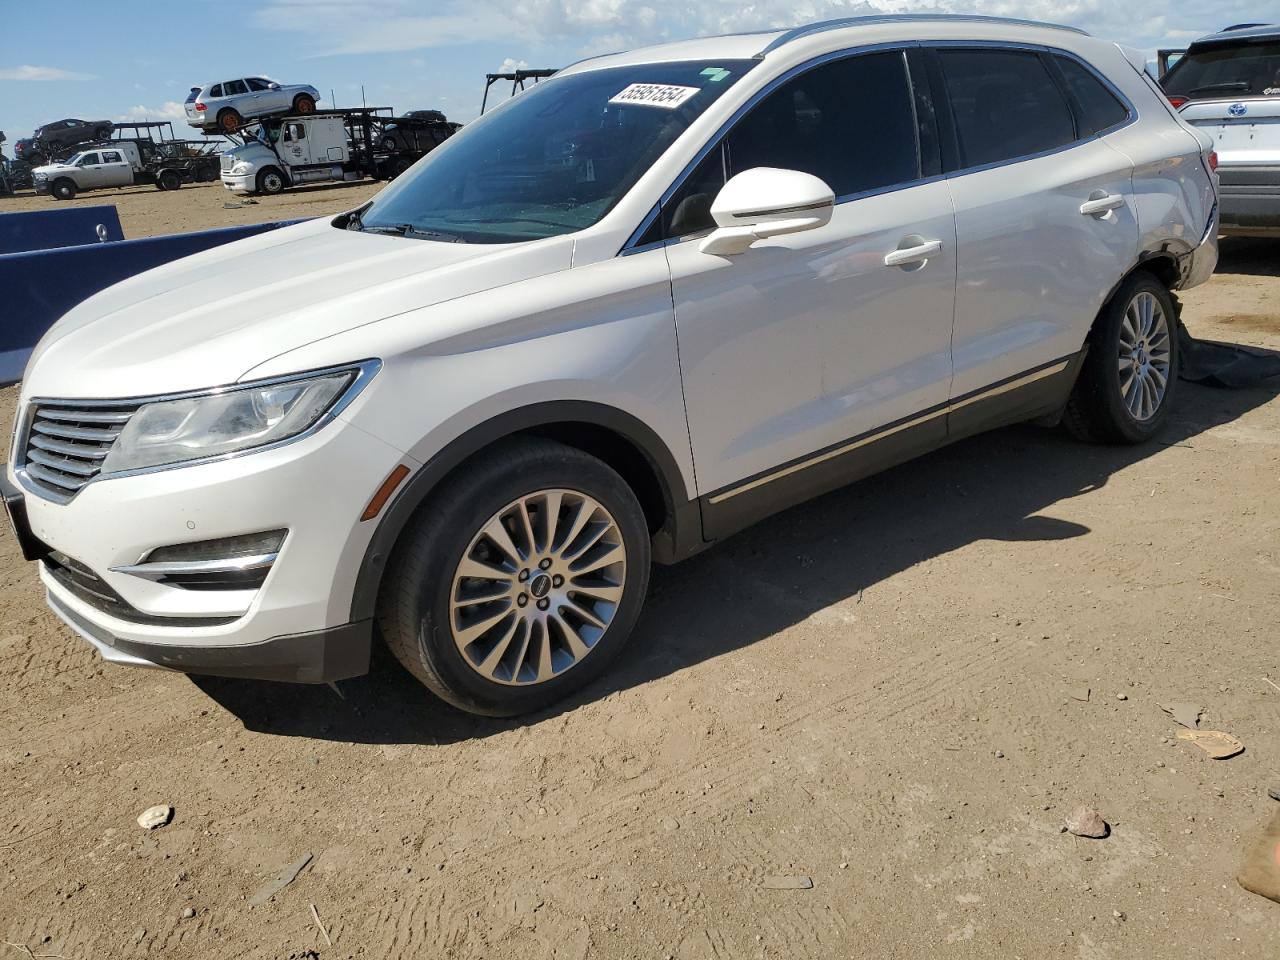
[[264, 99], [1045, 224], [236, 93], [808, 359], [115, 170], [89, 174], [295, 145]]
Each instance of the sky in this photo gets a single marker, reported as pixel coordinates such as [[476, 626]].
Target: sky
[[137, 59]]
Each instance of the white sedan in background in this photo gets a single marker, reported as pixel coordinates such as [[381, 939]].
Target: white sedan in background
[[224, 106]]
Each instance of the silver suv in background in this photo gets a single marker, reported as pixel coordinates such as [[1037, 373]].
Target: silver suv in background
[[1227, 85], [224, 106]]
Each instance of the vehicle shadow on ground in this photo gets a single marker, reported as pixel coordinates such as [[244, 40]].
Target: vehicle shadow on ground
[[776, 574]]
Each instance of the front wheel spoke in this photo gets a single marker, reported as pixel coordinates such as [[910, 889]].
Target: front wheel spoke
[[526, 527], [544, 671], [609, 594], [479, 570], [586, 613], [1158, 379], [1129, 329], [490, 663], [550, 515], [470, 634], [497, 534], [582, 516], [614, 554], [577, 648], [595, 537]]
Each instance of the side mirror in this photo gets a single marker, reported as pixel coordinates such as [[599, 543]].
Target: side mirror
[[766, 202], [273, 85]]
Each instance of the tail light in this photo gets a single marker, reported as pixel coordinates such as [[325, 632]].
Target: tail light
[[200, 107], [1176, 101], [1212, 158]]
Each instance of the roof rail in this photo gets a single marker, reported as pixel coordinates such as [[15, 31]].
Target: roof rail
[[1242, 26], [795, 33]]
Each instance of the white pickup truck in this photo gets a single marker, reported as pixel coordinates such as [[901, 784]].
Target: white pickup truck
[[119, 164], [325, 146]]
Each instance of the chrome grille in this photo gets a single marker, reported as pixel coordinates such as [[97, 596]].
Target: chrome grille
[[66, 444]]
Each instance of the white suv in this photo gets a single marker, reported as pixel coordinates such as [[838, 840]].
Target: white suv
[[224, 106], [618, 318]]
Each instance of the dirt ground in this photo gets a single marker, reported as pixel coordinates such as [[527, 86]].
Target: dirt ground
[[148, 212], [880, 691]]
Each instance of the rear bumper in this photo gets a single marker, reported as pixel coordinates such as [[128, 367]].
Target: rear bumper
[[1249, 198], [320, 656]]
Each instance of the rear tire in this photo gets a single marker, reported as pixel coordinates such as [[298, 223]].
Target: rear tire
[[229, 119], [1129, 378], [168, 180], [576, 535], [63, 190]]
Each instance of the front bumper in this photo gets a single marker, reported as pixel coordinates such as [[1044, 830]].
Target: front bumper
[[294, 626], [239, 184], [1249, 196], [320, 656]]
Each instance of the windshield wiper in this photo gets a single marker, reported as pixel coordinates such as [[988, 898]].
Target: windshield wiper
[[1225, 85], [409, 230]]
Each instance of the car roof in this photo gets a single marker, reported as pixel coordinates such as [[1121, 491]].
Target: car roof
[[840, 32], [1243, 34]]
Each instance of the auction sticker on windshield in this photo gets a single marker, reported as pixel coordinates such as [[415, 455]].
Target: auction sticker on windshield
[[655, 95]]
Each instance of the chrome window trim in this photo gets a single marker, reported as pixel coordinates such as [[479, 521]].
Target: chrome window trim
[[632, 244], [364, 371]]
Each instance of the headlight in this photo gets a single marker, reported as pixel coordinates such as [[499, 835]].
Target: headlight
[[229, 421], [41, 176], [240, 169]]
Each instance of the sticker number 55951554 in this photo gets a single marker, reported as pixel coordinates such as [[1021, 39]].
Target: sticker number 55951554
[[655, 95]]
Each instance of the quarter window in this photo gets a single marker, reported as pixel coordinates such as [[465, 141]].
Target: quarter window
[[215, 90], [1098, 107], [1005, 104], [850, 122]]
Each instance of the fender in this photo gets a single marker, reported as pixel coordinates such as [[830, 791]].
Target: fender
[[678, 536]]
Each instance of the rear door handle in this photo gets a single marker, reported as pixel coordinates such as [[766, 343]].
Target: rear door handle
[[908, 255], [1100, 206]]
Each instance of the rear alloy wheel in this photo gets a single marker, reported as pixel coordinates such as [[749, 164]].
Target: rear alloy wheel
[[304, 103], [519, 581], [270, 181], [1130, 374], [228, 120]]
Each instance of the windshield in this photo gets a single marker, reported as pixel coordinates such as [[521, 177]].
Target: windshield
[[556, 158], [1231, 71], [73, 160]]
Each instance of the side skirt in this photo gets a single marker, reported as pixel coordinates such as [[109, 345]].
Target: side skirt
[[1038, 392]]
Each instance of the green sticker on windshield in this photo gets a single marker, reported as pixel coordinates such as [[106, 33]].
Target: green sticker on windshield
[[714, 74]]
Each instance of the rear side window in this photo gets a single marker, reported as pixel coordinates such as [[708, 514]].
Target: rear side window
[[849, 122], [234, 87], [1238, 70], [1005, 104], [111, 157], [1099, 108]]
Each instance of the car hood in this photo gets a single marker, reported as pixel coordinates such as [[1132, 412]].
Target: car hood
[[208, 319], [52, 168]]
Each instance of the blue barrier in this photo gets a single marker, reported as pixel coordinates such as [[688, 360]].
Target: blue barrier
[[40, 286], [64, 227]]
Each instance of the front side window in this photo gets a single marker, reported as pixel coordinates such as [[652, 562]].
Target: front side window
[[295, 131], [556, 158], [850, 122], [1099, 107], [1235, 70], [87, 160], [1005, 104], [257, 84]]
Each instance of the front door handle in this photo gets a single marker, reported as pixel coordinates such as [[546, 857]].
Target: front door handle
[[905, 256], [1100, 206]]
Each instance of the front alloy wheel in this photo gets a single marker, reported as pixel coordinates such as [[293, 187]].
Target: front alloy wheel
[[537, 587], [519, 579]]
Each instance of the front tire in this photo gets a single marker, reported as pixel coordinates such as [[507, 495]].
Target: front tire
[[519, 581], [1130, 375], [63, 190], [270, 181], [304, 103], [169, 180]]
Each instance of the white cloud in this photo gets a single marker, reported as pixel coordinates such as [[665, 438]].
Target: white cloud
[[169, 110], [28, 72], [511, 64], [590, 26]]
